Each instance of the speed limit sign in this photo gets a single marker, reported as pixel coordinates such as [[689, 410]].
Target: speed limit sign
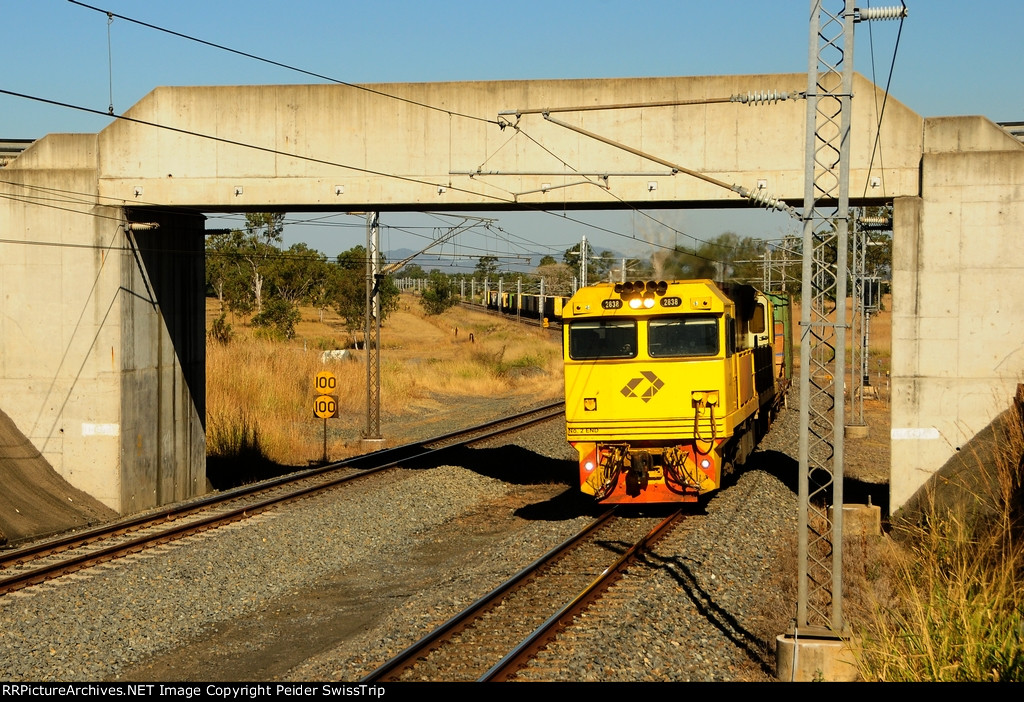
[[326, 406], [325, 382]]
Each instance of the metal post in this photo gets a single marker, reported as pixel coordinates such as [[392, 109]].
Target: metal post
[[825, 214], [371, 332], [583, 262], [857, 348], [519, 298]]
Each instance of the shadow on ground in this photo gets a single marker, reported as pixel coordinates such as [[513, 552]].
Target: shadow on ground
[[787, 471]]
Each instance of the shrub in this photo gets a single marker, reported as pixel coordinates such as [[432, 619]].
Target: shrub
[[278, 319], [220, 330]]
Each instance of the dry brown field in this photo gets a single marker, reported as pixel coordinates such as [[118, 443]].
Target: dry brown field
[[438, 373]]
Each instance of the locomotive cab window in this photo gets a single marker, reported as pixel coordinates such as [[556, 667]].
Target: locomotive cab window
[[682, 336], [757, 323], [606, 338]]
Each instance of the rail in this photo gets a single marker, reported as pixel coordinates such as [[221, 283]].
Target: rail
[[52, 558]]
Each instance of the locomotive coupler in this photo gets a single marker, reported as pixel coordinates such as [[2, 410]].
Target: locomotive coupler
[[640, 465]]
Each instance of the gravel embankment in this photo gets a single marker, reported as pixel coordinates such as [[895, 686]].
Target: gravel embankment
[[331, 589]]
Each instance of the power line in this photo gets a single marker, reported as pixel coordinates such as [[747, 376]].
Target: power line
[[281, 65], [232, 142], [876, 147], [363, 170]]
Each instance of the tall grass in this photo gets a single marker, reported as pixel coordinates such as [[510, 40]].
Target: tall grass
[[260, 392], [948, 600]]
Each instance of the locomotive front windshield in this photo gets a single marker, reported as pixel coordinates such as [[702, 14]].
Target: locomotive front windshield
[[606, 338], [682, 336]]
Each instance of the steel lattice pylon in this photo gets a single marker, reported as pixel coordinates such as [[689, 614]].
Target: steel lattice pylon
[[371, 333], [822, 320]]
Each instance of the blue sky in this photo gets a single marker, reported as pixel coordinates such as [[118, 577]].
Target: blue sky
[[953, 59]]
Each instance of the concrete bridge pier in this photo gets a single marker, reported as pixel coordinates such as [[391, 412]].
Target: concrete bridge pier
[[102, 329], [163, 367]]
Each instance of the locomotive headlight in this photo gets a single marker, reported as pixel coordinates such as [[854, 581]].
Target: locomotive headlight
[[588, 466], [705, 464], [635, 303], [648, 301]]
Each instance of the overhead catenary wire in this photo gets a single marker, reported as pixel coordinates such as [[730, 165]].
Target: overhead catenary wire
[[70, 198], [750, 98], [256, 147], [279, 64], [65, 200], [877, 146], [296, 156]]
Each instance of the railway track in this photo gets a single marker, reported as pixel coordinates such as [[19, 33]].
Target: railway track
[[500, 632], [45, 560]]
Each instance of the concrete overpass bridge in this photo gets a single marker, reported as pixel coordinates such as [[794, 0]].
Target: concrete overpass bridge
[[102, 349]]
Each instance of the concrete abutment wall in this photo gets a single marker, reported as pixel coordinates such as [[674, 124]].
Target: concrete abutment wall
[[958, 302], [101, 332]]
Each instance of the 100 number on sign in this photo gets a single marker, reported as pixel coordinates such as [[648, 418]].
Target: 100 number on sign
[[326, 406]]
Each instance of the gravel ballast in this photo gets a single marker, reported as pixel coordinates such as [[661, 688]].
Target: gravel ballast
[[331, 587]]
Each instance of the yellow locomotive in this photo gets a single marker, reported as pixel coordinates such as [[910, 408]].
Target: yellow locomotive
[[669, 385]]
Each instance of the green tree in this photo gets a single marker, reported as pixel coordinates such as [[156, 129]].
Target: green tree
[[726, 257], [602, 266], [546, 261], [293, 274], [225, 279], [325, 288], [258, 244], [279, 317], [486, 266], [571, 258], [350, 291], [413, 271], [438, 295], [557, 278]]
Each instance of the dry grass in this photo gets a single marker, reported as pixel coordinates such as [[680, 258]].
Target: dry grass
[[943, 599], [260, 393]]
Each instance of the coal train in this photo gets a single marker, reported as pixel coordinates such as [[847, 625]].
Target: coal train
[[528, 305], [669, 385]]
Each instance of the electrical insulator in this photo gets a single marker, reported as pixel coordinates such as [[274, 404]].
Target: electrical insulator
[[767, 97], [762, 198], [880, 13]]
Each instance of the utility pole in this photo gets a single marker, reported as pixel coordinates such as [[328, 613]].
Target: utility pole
[[825, 214], [823, 315], [583, 262], [371, 330]]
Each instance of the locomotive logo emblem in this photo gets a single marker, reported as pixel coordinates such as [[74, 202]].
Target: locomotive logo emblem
[[644, 387]]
